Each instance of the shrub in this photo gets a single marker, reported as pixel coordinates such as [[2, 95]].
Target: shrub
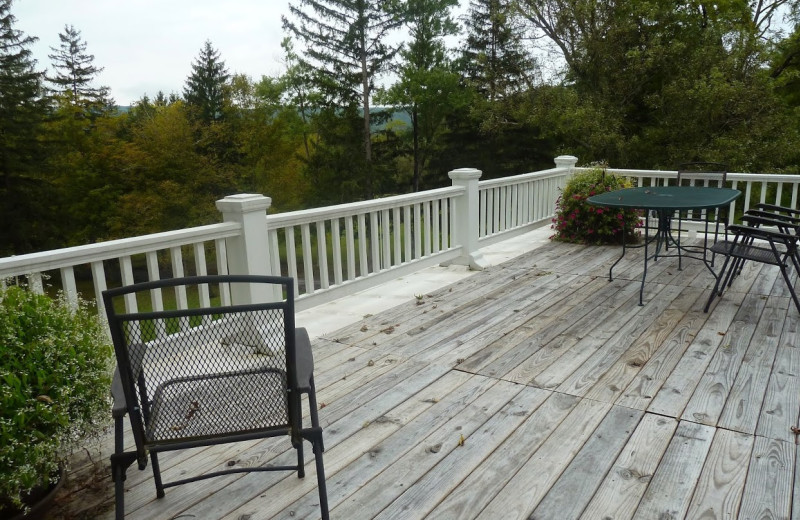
[[55, 367], [578, 221]]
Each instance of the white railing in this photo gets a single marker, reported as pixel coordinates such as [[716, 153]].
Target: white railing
[[342, 249], [354, 246], [518, 203], [86, 270]]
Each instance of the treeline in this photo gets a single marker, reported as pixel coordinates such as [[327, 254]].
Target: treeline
[[505, 88]]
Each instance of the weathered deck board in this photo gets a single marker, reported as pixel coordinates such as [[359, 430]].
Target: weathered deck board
[[573, 402], [670, 489], [619, 494], [719, 489]]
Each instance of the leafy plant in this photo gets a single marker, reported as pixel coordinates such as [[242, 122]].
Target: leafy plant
[[55, 368], [578, 221]]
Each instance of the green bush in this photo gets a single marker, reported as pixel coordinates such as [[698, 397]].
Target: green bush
[[580, 222], [55, 368]]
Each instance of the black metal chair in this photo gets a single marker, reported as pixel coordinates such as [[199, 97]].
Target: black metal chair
[[755, 244], [775, 221], [210, 375], [709, 174]]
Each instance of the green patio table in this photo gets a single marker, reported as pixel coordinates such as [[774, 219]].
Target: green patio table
[[665, 201]]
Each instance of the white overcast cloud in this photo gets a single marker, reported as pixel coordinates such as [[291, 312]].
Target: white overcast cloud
[[148, 45]]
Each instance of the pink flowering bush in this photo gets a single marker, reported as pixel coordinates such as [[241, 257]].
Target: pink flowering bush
[[580, 222]]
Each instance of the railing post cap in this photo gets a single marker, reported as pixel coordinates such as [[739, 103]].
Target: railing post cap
[[465, 174], [244, 203], [566, 161]]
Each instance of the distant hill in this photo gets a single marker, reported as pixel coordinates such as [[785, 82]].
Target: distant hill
[[398, 116]]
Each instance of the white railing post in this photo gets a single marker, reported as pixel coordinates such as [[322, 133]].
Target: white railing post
[[466, 219], [248, 253], [566, 161]]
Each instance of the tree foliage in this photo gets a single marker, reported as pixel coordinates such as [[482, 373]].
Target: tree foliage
[[494, 59], [347, 46], [22, 111], [428, 86], [635, 83]]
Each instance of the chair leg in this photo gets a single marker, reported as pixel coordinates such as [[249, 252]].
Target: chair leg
[[716, 291], [120, 462], [790, 286], [323, 489], [301, 467], [157, 475]]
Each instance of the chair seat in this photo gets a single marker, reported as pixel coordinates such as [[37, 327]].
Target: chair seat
[[217, 404], [747, 252]]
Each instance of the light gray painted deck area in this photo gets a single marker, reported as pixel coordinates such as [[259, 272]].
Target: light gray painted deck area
[[534, 389]]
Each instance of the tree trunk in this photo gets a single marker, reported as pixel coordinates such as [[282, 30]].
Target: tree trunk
[[415, 131], [367, 130]]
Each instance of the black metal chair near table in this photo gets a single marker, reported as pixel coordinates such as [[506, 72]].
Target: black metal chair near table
[[211, 375], [755, 244], [706, 174]]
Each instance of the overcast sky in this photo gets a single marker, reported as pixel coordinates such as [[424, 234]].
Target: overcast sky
[[149, 45]]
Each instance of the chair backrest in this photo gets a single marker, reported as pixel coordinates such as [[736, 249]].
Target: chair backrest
[[182, 368], [702, 174]]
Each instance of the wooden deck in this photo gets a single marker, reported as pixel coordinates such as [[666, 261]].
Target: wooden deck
[[535, 389]]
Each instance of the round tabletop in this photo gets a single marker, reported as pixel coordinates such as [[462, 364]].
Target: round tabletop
[[666, 197]]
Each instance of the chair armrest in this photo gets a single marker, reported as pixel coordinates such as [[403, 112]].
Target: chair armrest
[[120, 406], [304, 357], [773, 215], [773, 207], [770, 219], [765, 234]]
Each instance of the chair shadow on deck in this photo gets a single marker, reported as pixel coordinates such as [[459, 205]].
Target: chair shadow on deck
[[210, 375]]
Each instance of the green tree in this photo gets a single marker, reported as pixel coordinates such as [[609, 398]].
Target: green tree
[[75, 72], [495, 60], [655, 84], [346, 44], [428, 88], [206, 87], [296, 87], [23, 190]]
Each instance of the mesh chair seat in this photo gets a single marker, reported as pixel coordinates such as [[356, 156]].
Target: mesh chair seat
[[218, 404], [764, 255]]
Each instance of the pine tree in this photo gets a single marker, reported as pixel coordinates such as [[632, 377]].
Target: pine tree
[[495, 60], [346, 44], [75, 71], [22, 109], [205, 88]]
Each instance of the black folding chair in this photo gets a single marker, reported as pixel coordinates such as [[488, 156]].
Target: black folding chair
[[755, 244], [210, 375]]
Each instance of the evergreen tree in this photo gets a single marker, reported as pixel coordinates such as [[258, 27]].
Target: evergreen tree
[[347, 45], [22, 110], [495, 61], [75, 71], [205, 89], [428, 89]]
